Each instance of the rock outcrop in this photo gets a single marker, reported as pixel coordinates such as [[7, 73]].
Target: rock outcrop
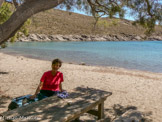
[[133, 116], [122, 37]]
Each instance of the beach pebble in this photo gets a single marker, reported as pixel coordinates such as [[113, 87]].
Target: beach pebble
[[82, 63], [131, 116]]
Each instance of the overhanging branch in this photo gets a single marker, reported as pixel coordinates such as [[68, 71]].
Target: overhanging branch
[[149, 8], [22, 13], [15, 4], [1, 1]]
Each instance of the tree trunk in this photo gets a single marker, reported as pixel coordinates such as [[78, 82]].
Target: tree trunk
[[23, 12], [1, 1]]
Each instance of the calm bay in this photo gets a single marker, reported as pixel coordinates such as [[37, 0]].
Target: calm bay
[[138, 55]]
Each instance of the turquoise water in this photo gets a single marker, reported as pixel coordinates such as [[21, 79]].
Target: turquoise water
[[143, 55]]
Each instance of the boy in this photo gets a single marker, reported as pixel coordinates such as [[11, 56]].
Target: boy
[[51, 82]]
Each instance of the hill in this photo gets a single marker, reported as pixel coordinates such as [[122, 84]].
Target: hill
[[54, 21]]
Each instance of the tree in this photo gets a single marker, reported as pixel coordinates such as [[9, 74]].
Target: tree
[[6, 11], [22, 13], [148, 12]]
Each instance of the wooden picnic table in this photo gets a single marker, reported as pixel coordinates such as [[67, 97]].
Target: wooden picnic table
[[81, 100]]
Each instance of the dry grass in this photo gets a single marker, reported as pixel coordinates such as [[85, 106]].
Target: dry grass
[[66, 23]]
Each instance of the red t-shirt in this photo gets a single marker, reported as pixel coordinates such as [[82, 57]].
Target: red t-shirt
[[51, 82]]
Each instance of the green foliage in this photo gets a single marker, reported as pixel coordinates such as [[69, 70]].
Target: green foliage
[[12, 39], [3, 45], [115, 22], [5, 12], [24, 28], [106, 23], [134, 23], [22, 31], [103, 23], [146, 12]]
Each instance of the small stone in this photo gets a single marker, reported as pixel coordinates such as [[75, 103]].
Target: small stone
[[82, 63]]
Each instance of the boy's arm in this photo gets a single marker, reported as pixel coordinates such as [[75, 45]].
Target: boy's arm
[[37, 91], [39, 88], [60, 86]]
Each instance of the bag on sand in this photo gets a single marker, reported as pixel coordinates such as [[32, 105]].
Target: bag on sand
[[25, 100], [21, 101]]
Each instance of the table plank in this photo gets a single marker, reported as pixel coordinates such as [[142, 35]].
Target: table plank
[[80, 100]]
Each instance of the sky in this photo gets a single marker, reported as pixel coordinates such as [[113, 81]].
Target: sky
[[127, 16]]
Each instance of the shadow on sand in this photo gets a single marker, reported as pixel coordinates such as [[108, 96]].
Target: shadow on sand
[[47, 108], [4, 100], [3, 73], [61, 108]]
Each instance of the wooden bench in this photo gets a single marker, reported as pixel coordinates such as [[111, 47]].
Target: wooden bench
[[81, 100]]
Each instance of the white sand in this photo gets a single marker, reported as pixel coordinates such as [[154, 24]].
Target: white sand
[[20, 76]]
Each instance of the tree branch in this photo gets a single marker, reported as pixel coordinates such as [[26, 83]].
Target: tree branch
[[15, 4], [23, 12], [149, 8], [1, 1]]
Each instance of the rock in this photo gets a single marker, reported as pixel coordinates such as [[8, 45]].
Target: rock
[[66, 38], [121, 38], [158, 38], [111, 37], [108, 38], [82, 63], [137, 38], [59, 38], [84, 36], [43, 37], [131, 116], [76, 38], [23, 40], [51, 37]]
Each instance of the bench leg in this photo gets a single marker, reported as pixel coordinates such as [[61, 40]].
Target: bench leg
[[101, 111]]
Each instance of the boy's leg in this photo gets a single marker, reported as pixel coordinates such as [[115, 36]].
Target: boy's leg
[[40, 96]]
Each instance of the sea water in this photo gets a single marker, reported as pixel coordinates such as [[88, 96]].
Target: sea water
[[139, 55]]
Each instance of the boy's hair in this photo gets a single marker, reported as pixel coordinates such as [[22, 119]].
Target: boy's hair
[[57, 61]]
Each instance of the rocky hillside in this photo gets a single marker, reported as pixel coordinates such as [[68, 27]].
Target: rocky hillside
[[54, 22], [57, 25]]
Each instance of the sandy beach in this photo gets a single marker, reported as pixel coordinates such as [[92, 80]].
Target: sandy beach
[[130, 89]]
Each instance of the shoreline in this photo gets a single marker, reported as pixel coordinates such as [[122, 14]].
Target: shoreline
[[81, 63], [141, 90], [84, 37]]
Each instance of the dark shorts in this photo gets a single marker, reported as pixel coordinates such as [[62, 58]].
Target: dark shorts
[[46, 93]]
